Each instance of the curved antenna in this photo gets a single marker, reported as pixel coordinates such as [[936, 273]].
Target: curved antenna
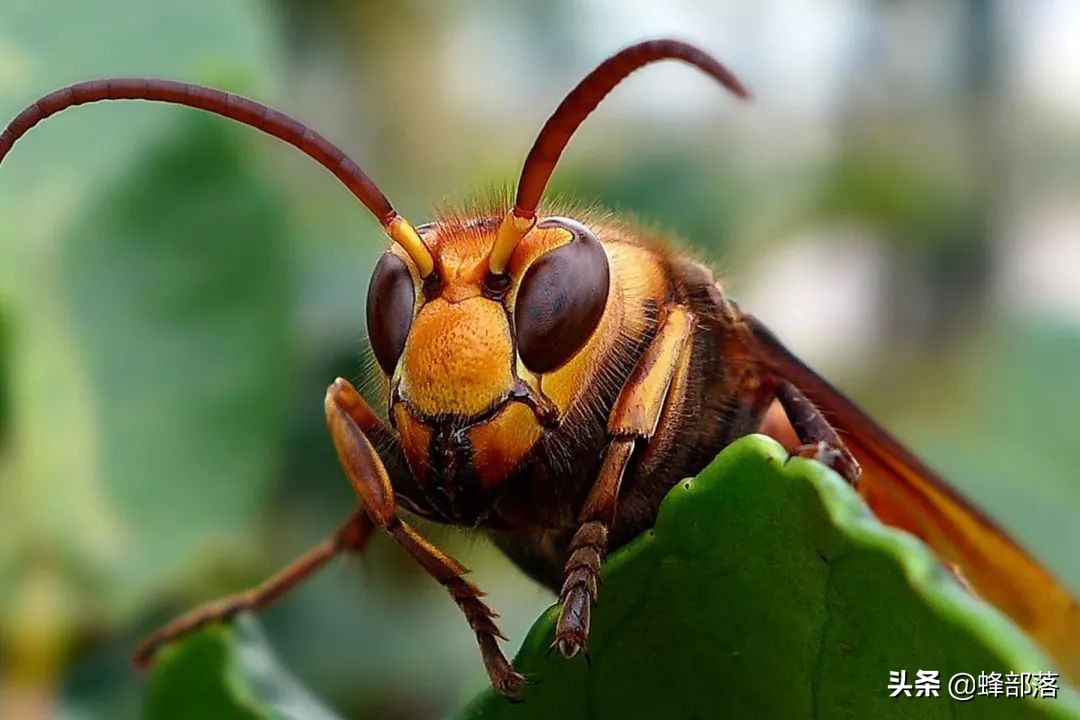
[[242, 110], [572, 111]]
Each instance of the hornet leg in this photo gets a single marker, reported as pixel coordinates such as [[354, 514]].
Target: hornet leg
[[633, 421], [346, 412]]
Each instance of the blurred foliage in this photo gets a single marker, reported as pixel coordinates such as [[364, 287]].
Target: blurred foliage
[[178, 308], [149, 293], [5, 375], [908, 193], [180, 311], [708, 207]]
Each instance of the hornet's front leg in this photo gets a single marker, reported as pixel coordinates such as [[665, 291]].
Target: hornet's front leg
[[346, 412], [633, 421]]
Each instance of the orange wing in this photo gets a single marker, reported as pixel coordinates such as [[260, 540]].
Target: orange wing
[[903, 492]]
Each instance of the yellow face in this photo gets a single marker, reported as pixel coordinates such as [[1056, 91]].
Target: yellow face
[[479, 369], [458, 359]]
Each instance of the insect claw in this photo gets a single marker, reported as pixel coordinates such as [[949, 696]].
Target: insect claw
[[509, 685], [569, 647]]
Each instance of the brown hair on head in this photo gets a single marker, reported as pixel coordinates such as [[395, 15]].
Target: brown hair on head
[[244, 111], [572, 111]]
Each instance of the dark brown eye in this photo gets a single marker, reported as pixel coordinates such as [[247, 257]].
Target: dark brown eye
[[561, 299], [390, 299]]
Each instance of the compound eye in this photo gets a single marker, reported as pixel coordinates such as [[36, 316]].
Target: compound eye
[[561, 299], [390, 300]]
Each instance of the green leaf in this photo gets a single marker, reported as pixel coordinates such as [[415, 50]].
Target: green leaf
[[767, 590], [227, 674]]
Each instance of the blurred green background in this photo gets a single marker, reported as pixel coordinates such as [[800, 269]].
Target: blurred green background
[[899, 202]]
